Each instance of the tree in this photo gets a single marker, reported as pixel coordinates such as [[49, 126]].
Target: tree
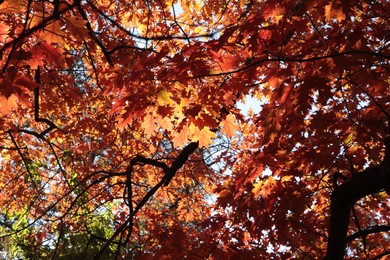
[[122, 136]]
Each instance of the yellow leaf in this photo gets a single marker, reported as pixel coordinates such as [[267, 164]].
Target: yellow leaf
[[164, 98], [351, 137], [197, 6], [199, 30], [6, 157], [286, 178], [264, 188], [205, 137], [267, 187], [257, 188], [194, 131], [229, 126]]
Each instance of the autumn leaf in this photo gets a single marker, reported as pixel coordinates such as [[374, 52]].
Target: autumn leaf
[[257, 187], [53, 33], [264, 189], [349, 140], [12, 6], [205, 137], [8, 104], [180, 138], [52, 53], [77, 26], [229, 126], [149, 124], [164, 98], [36, 19], [3, 32], [332, 12], [37, 58]]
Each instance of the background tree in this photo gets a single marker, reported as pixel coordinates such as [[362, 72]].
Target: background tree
[[121, 135]]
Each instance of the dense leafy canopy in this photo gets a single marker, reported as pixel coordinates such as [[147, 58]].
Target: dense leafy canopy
[[124, 134]]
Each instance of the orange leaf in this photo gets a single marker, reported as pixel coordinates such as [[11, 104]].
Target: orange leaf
[[52, 53], [53, 33], [205, 137], [180, 138], [264, 188], [12, 6], [3, 32], [229, 126], [37, 57], [267, 187], [148, 124], [257, 188], [333, 12], [77, 26], [7, 104]]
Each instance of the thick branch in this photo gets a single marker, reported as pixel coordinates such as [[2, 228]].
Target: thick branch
[[179, 162], [169, 174], [370, 181]]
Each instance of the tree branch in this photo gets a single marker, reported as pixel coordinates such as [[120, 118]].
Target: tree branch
[[367, 231], [36, 109], [298, 59], [93, 36], [169, 174], [27, 32], [370, 181]]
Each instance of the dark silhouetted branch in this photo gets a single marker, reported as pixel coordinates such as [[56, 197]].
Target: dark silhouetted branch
[[169, 173], [370, 181]]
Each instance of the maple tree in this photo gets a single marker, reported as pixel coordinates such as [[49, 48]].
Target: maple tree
[[121, 133]]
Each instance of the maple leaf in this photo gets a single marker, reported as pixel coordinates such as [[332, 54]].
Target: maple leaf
[[332, 12], [264, 188], [164, 122], [164, 98], [257, 187], [53, 33], [52, 53], [3, 32], [229, 126], [181, 138], [12, 6], [149, 124], [8, 104], [25, 83], [205, 137], [77, 26], [37, 58], [164, 111]]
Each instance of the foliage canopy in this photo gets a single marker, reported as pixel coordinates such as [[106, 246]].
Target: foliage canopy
[[122, 133]]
